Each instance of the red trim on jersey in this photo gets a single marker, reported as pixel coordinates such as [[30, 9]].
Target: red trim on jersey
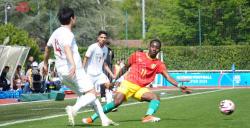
[[143, 69]]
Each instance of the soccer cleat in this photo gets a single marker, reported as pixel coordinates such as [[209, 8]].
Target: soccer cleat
[[150, 118], [108, 123], [87, 120], [70, 112], [114, 110]]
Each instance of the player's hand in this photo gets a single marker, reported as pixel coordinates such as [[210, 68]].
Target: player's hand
[[113, 76], [185, 89], [72, 71], [109, 85]]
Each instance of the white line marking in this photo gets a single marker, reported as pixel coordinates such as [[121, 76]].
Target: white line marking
[[38, 109], [128, 104]]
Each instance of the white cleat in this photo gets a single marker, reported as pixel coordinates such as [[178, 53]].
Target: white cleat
[[108, 123], [71, 114], [150, 118]]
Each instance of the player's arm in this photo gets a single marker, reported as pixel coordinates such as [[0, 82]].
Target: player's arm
[[87, 55], [107, 69], [170, 79], [46, 58], [184, 89], [122, 71], [70, 58], [85, 61]]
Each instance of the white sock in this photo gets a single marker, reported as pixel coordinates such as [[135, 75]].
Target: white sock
[[83, 101], [98, 108], [109, 95]]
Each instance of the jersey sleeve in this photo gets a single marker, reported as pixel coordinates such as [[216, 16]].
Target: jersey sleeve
[[50, 42], [89, 51], [162, 67]]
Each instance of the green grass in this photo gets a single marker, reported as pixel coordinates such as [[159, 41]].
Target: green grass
[[189, 111]]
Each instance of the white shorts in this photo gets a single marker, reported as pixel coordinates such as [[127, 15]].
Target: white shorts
[[97, 80], [80, 83], [120, 79]]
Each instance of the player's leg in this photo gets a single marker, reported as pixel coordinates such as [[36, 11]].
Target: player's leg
[[99, 111], [103, 93], [109, 95], [99, 80], [119, 98], [124, 91], [154, 101], [79, 86]]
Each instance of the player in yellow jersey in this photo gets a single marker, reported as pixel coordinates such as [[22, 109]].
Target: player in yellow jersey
[[143, 68]]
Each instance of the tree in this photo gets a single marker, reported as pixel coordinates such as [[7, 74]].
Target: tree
[[92, 16], [19, 37], [223, 21]]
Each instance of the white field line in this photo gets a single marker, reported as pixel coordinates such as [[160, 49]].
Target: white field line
[[128, 104], [76, 97]]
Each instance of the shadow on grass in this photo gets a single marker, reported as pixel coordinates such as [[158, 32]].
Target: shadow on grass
[[85, 125]]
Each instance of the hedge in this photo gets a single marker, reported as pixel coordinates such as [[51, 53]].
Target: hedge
[[197, 57]]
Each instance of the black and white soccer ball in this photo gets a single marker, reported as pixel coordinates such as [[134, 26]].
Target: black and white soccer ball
[[227, 107]]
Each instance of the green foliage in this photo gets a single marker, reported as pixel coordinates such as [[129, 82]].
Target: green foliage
[[221, 21], [199, 58], [19, 37], [175, 22], [207, 57], [92, 16], [134, 27]]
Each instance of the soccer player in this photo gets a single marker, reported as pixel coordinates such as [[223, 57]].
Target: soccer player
[[69, 66], [142, 70], [94, 61]]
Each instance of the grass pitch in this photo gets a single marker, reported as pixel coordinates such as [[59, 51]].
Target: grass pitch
[[196, 110]]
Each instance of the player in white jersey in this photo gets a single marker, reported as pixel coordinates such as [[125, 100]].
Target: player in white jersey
[[94, 61], [69, 66]]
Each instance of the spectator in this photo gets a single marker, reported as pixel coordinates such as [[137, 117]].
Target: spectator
[[34, 79], [4, 82], [17, 81], [29, 62]]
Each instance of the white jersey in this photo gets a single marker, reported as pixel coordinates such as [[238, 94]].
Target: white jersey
[[64, 37], [61, 37], [96, 56]]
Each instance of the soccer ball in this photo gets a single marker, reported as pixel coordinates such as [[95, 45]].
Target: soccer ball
[[227, 107]]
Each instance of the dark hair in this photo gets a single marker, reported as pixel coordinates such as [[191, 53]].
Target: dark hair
[[19, 66], [155, 40], [6, 67], [102, 32], [64, 15]]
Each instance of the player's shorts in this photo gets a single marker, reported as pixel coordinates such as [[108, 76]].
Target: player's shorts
[[130, 89], [80, 84], [97, 80]]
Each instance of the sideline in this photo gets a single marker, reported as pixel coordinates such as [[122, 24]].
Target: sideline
[[128, 104]]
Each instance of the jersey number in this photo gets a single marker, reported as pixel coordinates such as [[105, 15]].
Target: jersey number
[[57, 48], [143, 72]]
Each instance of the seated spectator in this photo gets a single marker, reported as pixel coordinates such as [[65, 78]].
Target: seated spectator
[[34, 79], [18, 78], [54, 82], [4, 82], [29, 63]]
